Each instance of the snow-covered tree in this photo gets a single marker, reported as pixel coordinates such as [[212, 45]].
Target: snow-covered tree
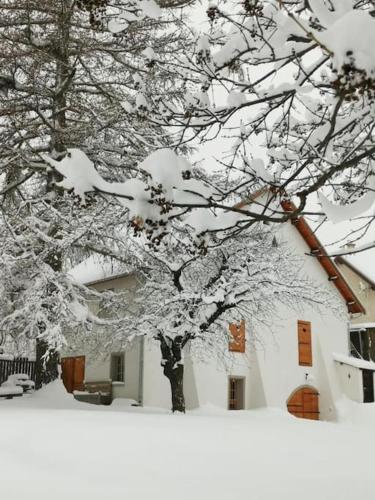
[[186, 300], [90, 88], [68, 80], [289, 89], [292, 83]]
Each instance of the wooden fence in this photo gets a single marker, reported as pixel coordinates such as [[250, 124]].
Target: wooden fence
[[19, 365]]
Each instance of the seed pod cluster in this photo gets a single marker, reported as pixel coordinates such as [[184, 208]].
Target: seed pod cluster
[[253, 7], [96, 9], [353, 83]]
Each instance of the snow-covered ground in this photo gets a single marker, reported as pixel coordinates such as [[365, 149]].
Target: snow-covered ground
[[54, 448]]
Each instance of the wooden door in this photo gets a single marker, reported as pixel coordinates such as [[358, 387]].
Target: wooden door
[[67, 373], [236, 394], [304, 403], [73, 373], [79, 373], [368, 386]]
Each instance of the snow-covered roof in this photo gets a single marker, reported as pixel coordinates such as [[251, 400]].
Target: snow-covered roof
[[356, 362], [96, 268], [353, 303], [359, 326]]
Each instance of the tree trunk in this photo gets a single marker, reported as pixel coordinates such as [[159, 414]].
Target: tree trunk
[[176, 379], [47, 359], [173, 369], [46, 370]]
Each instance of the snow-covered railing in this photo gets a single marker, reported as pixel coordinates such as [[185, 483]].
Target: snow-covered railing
[[9, 366], [362, 364]]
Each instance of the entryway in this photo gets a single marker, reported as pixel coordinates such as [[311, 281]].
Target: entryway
[[236, 393], [73, 373], [304, 403], [368, 386]]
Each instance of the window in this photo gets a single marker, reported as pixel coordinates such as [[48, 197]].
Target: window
[[237, 331], [105, 305], [304, 343], [118, 367], [362, 343]]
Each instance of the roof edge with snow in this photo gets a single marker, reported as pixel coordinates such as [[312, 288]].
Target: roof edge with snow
[[353, 304]]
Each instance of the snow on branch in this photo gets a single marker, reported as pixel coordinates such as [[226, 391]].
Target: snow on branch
[[341, 213], [165, 180]]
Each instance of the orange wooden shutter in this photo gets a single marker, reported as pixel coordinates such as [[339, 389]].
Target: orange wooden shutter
[[304, 343], [238, 335]]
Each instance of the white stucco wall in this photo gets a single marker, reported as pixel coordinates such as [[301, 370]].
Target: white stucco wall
[[156, 389], [204, 382], [99, 370], [278, 359], [278, 362]]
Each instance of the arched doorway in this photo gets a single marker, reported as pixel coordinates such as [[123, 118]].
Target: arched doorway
[[304, 403]]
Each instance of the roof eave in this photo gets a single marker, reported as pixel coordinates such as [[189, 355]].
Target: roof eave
[[354, 305]]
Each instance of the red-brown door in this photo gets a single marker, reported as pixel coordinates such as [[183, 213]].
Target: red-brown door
[[73, 373], [304, 403]]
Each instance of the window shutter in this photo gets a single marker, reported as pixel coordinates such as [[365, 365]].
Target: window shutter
[[237, 332], [304, 343]]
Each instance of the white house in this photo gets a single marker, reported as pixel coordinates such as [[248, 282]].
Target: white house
[[293, 369]]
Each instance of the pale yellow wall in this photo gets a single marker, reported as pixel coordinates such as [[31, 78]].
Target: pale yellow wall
[[363, 291]]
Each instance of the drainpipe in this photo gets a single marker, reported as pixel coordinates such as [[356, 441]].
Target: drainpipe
[[348, 339], [140, 372]]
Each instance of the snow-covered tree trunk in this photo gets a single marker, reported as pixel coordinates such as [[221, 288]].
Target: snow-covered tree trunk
[[173, 368], [46, 367], [47, 358], [176, 379]]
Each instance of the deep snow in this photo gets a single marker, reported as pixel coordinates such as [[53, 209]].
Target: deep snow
[[54, 448]]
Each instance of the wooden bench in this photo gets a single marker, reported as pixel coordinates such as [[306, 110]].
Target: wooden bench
[[96, 392], [10, 392]]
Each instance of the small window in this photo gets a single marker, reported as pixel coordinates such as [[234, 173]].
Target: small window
[[237, 331], [356, 344], [105, 307], [304, 343], [362, 343], [118, 367]]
